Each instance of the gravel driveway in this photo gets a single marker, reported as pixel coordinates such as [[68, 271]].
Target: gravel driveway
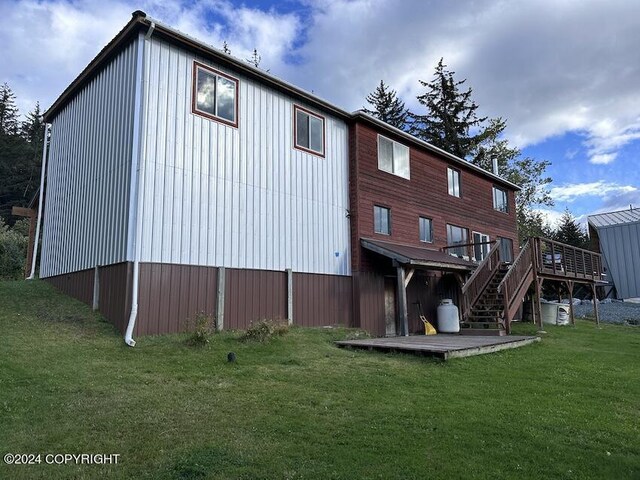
[[614, 312]]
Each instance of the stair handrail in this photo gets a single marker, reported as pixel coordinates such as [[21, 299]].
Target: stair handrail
[[473, 288], [516, 275]]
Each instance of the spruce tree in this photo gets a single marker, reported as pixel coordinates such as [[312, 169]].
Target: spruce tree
[[570, 232], [387, 106], [9, 123], [450, 116]]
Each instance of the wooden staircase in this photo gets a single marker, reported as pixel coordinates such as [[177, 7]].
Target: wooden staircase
[[486, 314], [495, 291]]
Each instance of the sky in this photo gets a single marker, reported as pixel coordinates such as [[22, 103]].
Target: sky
[[565, 74]]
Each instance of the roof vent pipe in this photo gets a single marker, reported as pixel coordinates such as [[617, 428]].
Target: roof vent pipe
[[495, 166]]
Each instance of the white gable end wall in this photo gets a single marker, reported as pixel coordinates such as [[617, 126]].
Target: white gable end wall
[[240, 197], [88, 173]]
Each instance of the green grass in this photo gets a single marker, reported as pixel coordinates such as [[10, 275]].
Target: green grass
[[298, 407]]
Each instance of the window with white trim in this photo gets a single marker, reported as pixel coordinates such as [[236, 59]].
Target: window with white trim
[[381, 220], [453, 181], [500, 201], [426, 229], [308, 131], [481, 246], [215, 95], [393, 157]]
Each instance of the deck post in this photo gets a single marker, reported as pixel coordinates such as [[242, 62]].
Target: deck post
[[537, 308], [571, 314], [96, 288], [289, 296], [595, 303], [402, 301], [220, 300]]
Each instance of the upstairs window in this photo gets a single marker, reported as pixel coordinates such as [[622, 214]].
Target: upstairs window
[[381, 220], [393, 157], [308, 131], [215, 95], [426, 229], [457, 236], [453, 179], [500, 202]]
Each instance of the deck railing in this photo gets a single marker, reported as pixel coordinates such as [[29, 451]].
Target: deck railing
[[465, 250], [473, 288], [517, 280], [562, 260]]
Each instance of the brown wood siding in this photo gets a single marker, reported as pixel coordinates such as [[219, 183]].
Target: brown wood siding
[[320, 300], [78, 285], [369, 298], [253, 295], [425, 194], [171, 296], [114, 297]]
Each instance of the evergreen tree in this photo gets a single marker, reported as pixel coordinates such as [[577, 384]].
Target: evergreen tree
[[451, 123], [451, 115], [33, 128], [570, 232], [8, 111], [387, 106]]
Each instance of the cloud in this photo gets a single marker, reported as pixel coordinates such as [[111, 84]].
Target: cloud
[[606, 190], [603, 158], [550, 217]]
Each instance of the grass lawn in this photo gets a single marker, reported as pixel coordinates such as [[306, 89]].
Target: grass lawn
[[298, 407]]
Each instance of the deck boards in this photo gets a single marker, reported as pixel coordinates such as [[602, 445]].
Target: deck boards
[[443, 346]]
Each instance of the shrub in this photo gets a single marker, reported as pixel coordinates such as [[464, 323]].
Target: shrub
[[202, 330], [264, 330], [13, 252]]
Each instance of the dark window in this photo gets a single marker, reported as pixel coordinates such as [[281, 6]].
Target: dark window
[[500, 202], [453, 182], [381, 220], [480, 247], [309, 131], [457, 236], [426, 229], [215, 94], [506, 249]]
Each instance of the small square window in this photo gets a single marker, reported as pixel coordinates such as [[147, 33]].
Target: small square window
[[214, 95], [381, 220], [453, 180], [393, 157], [500, 201], [308, 131], [426, 229]]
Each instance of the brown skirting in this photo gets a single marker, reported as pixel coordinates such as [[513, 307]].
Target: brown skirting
[[172, 296]]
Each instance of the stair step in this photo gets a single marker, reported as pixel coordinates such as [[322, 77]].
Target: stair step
[[483, 325]]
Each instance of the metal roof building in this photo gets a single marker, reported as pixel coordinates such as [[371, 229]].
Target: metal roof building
[[618, 236]]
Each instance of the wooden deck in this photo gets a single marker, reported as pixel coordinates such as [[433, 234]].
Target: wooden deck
[[442, 346]]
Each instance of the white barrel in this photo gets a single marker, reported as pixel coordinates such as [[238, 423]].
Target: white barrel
[[448, 317]]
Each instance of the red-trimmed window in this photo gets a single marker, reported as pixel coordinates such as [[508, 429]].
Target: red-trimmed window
[[215, 95], [308, 131]]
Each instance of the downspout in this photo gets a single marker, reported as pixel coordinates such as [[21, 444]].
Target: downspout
[[135, 202], [47, 128]]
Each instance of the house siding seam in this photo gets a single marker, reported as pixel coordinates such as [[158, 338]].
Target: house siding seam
[[88, 173], [241, 197]]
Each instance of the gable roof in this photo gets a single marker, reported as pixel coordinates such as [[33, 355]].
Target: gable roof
[[611, 219], [140, 22]]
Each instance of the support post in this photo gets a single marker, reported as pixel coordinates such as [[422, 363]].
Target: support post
[[289, 296], [220, 300], [537, 308], [571, 314], [402, 301], [595, 304], [96, 288]]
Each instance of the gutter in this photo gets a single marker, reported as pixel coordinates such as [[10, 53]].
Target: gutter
[[134, 230], [47, 129]]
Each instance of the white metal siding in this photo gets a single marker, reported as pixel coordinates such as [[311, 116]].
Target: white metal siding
[[237, 197], [87, 192], [620, 245]]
